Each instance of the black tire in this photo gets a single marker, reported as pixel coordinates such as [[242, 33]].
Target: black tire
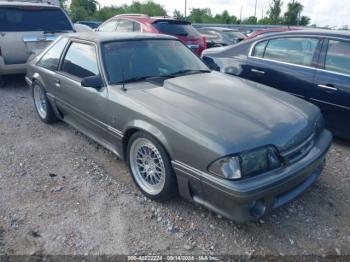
[[49, 117], [169, 189]]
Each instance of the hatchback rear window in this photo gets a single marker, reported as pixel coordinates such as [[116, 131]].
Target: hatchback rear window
[[177, 28], [33, 19]]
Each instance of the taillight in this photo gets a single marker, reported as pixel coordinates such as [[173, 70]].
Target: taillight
[[204, 42]]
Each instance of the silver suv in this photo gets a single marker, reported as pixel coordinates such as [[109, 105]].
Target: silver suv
[[26, 28]]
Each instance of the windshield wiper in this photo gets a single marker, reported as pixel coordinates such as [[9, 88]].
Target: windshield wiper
[[135, 79], [189, 72], [146, 78]]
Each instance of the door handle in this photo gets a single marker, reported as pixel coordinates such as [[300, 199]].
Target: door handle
[[257, 71], [328, 87], [57, 83]]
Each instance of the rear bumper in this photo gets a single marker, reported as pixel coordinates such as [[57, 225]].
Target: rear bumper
[[251, 198], [10, 69]]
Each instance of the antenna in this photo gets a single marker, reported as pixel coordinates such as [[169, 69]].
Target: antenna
[[123, 78], [122, 69]]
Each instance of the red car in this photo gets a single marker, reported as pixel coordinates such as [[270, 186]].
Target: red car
[[270, 31], [159, 25]]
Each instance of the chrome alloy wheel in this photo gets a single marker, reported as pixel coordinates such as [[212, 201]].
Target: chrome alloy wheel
[[147, 166], [40, 101]]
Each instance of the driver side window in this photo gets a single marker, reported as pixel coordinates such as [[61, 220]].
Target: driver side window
[[298, 51], [80, 61]]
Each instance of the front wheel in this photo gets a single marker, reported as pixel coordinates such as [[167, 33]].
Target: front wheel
[[150, 167]]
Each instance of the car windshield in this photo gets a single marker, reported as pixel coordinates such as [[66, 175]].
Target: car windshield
[[131, 61], [178, 28], [27, 18]]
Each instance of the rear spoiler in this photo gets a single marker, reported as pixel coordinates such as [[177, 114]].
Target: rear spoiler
[[171, 21]]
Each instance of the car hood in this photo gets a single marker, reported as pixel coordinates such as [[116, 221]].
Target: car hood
[[229, 113]]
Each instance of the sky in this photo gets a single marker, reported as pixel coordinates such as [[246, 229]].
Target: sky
[[334, 13]]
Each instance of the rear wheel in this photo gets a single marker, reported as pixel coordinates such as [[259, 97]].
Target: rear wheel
[[42, 104], [150, 167]]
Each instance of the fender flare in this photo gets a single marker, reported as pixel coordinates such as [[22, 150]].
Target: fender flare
[[142, 125]]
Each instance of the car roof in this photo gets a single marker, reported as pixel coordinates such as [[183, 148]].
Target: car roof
[[219, 28], [148, 19], [89, 21], [314, 32], [99, 37], [14, 4]]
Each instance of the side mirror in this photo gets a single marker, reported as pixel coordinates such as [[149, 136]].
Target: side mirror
[[92, 81]]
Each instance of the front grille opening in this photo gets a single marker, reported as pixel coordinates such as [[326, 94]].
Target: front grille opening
[[298, 152]]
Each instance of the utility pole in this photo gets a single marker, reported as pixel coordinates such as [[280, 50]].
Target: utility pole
[[240, 15], [256, 3], [185, 9]]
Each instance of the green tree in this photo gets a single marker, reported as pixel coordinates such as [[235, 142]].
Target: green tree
[[200, 15], [274, 12], [252, 20], [63, 4], [107, 12], [82, 9], [178, 15], [304, 21], [292, 16], [265, 21], [225, 18], [149, 8], [204, 15]]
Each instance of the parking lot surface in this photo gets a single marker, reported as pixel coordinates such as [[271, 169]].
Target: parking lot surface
[[61, 193]]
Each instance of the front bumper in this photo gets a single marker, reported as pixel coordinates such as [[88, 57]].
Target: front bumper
[[251, 198]]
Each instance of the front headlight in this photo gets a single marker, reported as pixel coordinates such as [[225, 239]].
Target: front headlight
[[228, 167], [247, 164]]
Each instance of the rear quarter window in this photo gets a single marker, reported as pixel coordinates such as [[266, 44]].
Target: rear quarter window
[[338, 57], [51, 58], [22, 19]]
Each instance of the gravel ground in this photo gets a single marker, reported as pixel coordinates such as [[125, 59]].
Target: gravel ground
[[61, 193]]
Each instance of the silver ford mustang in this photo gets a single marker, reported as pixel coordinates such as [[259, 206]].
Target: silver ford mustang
[[233, 146]]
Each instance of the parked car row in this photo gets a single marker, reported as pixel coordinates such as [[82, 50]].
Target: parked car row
[[183, 30], [220, 36], [311, 64]]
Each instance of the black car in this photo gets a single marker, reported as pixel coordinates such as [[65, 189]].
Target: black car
[[219, 36], [91, 24], [312, 64]]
